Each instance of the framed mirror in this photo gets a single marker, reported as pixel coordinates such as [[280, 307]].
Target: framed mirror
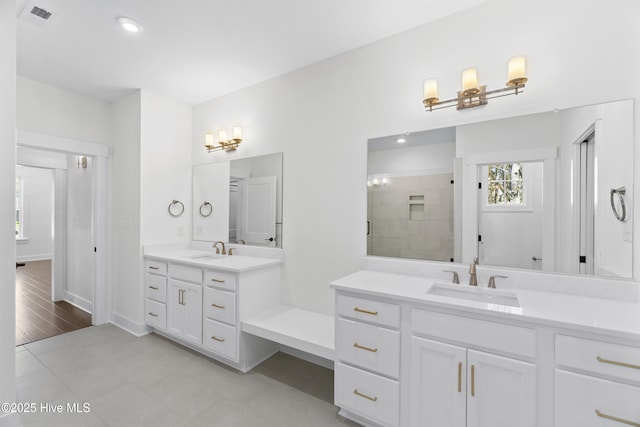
[[239, 201], [538, 192]]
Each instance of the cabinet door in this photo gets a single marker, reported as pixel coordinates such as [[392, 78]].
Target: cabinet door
[[438, 384], [501, 392], [184, 310], [192, 300], [175, 309]]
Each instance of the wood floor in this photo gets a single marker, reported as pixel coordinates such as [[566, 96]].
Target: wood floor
[[37, 317]]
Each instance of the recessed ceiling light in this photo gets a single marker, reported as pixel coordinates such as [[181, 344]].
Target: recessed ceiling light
[[401, 140], [130, 24]]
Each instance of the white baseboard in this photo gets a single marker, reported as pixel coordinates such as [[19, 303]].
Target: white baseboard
[[311, 358], [134, 328], [28, 258], [78, 301]]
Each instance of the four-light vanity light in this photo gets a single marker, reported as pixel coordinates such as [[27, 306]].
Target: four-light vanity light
[[473, 95], [223, 143]]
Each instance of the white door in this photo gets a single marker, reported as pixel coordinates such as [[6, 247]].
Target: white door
[[586, 178], [259, 211], [175, 308], [192, 300], [438, 384], [501, 391]]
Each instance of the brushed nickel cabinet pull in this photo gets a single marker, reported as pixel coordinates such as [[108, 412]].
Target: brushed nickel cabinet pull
[[372, 350], [459, 377], [616, 419], [217, 339], [217, 306], [154, 288], [357, 393], [154, 268], [359, 310], [153, 314], [613, 362], [217, 280], [473, 380]]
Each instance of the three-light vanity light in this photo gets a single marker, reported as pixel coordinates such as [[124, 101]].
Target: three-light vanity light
[[474, 95], [223, 143]]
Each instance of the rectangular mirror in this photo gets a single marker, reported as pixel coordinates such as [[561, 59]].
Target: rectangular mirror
[[239, 201], [549, 191]]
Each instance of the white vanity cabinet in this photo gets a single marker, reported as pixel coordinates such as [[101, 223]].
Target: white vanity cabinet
[[457, 385], [596, 383], [367, 368], [202, 307]]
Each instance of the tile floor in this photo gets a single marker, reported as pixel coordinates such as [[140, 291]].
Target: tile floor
[[151, 381]]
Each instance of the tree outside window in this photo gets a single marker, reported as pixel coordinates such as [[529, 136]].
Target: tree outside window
[[505, 185]]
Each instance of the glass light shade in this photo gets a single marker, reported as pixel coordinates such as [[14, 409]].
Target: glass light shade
[[208, 139], [222, 135], [431, 89], [470, 80], [236, 132], [517, 70]]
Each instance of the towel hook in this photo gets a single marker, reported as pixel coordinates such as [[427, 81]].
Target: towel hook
[[176, 208], [206, 209], [620, 216]]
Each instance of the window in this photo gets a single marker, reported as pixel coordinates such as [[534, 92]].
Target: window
[[19, 208], [505, 185]]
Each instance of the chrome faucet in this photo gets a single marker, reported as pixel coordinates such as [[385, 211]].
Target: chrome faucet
[[224, 250], [492, 280], [473, 278]]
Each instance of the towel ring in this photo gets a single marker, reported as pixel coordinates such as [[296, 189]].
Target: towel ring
[[176, 208], [620, 216], [206, 209]]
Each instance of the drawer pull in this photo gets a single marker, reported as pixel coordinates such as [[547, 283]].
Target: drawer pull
[[217, 339], [217, 280], [154, 288], [357, 393], [154, 268], [217, 306], [613, 362], [616, 419], [473, 380], [361, 347], [153, 314], [459, 377], [359, 310]]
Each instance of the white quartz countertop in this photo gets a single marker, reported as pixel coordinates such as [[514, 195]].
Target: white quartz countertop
[[197, 258], [611, 317]]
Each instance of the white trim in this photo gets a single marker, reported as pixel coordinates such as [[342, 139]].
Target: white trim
[[22, 240], [134, 328], [59, 144], [513, 156], [28, 258], [76, 300]]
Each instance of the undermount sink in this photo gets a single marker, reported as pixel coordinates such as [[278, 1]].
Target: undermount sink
[[472, 293], [204, 257]]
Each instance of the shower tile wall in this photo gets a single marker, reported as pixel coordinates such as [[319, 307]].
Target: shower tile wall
[[394, 234]]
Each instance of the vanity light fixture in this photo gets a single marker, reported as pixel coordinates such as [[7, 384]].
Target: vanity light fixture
[[474, 95], [223, 143]]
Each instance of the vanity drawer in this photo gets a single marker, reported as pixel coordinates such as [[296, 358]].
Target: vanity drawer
[[368, 346], [156, 287], [188, 274], [156, 267], [617, 361], [220, 338], [220, 305], [156, 314], [474, 332], [578, 397], [381, 313], [220, 279], [371, 396]]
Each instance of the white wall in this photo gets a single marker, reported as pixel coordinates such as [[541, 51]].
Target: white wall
[[7, 200], [78, 289], [38, 214], [421, 160], [321, 116]]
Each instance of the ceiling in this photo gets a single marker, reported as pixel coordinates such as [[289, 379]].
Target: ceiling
[[415, 139], [196, 50]]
